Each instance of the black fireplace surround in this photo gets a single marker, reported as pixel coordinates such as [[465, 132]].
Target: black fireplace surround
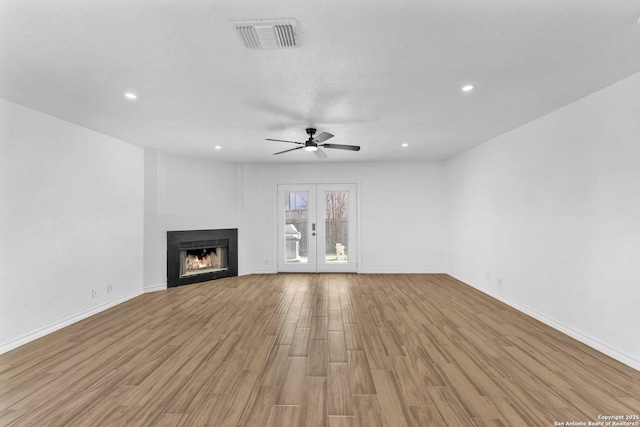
[[198, 239]]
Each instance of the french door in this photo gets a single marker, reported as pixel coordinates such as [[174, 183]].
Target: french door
[[317, 228]]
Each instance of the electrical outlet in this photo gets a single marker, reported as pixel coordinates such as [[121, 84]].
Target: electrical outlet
[[109, 288], [499, 282], [94, 293], [266, 261]]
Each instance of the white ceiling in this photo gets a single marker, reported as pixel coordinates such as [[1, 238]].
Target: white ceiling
[[374, 73]]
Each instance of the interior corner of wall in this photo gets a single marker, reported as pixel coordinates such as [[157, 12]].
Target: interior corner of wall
[[159, 190], [239, 187]]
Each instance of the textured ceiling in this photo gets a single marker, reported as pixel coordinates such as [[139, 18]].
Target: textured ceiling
[[374, 73]]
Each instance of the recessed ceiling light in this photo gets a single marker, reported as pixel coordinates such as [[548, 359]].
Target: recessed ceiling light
[[405, 145], [130, 95], [467, 88], [217, 147]]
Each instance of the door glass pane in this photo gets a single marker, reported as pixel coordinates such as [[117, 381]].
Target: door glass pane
[[296, 218], [336, 215]]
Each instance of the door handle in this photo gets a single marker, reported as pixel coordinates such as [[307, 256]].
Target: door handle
[[313, 228]]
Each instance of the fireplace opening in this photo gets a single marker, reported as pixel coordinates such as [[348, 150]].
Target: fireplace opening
[[201, 261], [195, 256]]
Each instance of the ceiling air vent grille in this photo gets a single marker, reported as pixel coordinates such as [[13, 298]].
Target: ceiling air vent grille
[[266, 34]]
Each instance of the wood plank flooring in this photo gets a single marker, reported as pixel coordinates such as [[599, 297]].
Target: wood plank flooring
[[312, 350]]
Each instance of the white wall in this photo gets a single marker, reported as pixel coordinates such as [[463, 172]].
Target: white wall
[[71, 212], [553, 209], [402, 217], [184, 193]]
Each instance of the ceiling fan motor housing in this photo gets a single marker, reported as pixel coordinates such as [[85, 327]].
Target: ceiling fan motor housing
[[310, 145], [315, 144]]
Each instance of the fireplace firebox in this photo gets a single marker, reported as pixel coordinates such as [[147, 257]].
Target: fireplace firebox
[[196, 261], [200, 255]]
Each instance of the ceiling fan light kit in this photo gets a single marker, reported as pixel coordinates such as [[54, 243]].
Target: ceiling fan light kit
[[315, 144]]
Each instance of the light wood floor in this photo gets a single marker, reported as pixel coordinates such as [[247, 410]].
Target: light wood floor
[[312, 350]]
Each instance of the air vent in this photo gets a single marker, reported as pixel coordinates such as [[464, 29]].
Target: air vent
[[278, 34]]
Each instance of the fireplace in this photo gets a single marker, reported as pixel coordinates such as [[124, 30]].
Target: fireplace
[[201, 255]]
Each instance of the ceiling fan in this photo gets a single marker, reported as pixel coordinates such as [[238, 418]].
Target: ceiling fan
[[315, 144]]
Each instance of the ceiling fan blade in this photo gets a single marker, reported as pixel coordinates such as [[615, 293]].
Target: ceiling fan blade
[[286, 151], [282, 140], [320, 154], [342, 147], [322, 137]]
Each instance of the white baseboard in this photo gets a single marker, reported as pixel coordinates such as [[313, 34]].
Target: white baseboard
[[401, 271], [249, 272], [162, 287], [573, 333], [367, 271], [64, 323]]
